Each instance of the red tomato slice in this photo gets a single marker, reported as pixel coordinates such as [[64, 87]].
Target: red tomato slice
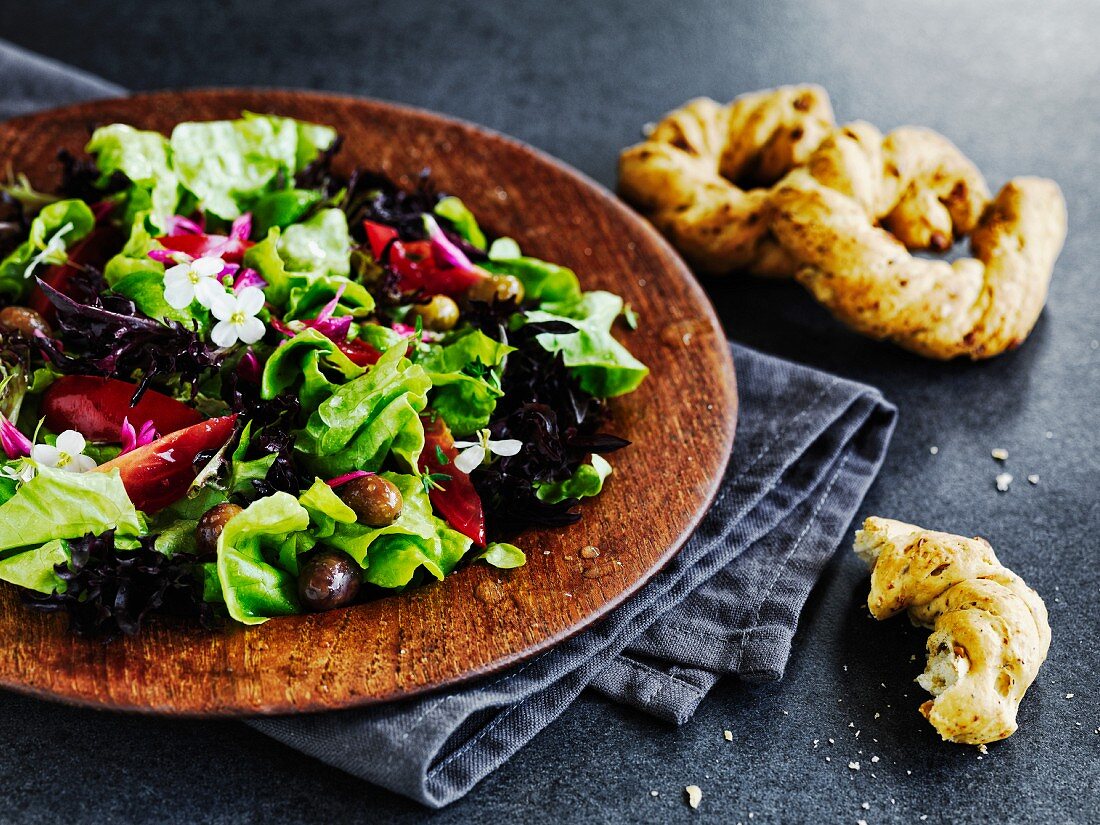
[[230, 251], [359, 352], [93, 250], [159, 473], [95, 407], [415, 266], [458, 501]]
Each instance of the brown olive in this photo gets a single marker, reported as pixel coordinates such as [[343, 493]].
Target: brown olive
[[376, 501], [439, 314], [497, 288], [23, 320], [327, 580], [210, 527]]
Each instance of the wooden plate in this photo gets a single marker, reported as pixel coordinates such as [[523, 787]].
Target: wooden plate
[[479, 619]]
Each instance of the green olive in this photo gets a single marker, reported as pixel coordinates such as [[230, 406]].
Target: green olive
[[23, 320], [497, 288], [439, 314], [376, 501], [327, 580], [210, 527]]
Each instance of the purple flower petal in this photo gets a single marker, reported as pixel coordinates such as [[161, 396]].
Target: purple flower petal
[[443, 249], [404, 330], [179, 225], [344, 479], [248, 277], [229, 269], [16, 445], [241, 228], [167, 256], [127, 435]]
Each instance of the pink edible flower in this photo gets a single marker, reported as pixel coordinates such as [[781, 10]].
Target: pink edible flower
[[404, 330], [179, 225], [132, 439], [444, 250], [344, 479], [241, 228], [248, 277], [16, 445]]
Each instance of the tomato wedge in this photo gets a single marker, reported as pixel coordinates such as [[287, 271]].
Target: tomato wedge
[[159, 473], [457, 501], [94, 250], [359, 352], [95, 407], [416, 267]]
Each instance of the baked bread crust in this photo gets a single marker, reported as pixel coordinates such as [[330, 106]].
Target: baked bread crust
[[840, 207], [989, 629]]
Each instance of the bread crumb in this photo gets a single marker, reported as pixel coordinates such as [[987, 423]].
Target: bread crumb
[[728, 734], [1002, 481], [1049, 434], [983, 749], [874, 759], [832, 741], [854, 766], [829, 758], [654, 793], [865, 805], [999, 453], [933, 449], [694, 795], [1033, 478], [861, 822], [1069, 695], [877, 715]]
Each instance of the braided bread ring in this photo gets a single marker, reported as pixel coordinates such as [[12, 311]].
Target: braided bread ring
[[978, 307], [683, 176], [990, 630]]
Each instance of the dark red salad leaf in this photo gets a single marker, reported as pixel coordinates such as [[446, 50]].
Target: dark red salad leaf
[[108, 336], [110, 591]]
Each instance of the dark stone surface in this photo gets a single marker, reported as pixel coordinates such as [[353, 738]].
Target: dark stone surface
[[1015, 85]]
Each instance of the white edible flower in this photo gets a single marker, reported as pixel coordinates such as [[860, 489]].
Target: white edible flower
[[53, 252], [476, 453], [67, 455], [194, 280], [236, 316]]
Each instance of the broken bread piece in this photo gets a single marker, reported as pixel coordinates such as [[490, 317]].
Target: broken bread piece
[[989, 629]]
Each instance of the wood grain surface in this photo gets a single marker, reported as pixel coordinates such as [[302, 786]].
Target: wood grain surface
[[480, 619]]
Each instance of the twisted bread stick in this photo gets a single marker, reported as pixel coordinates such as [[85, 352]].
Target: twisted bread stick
[[989, 629]]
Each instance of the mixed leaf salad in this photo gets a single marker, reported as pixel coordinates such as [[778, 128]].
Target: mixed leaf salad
[[236, 383]]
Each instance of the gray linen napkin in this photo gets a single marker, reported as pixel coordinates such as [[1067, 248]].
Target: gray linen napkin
[[808, 446]]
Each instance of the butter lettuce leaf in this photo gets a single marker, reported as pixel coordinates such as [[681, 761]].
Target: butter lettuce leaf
[[604, 367], [228, 164], [60, 505], [319, 245], [503, 556], [34, 568], [462, 219], [144, 158], [586, 481], [369, 417], [465, 376], [53, 231], [310, 362], [542, 281], [253, 588]]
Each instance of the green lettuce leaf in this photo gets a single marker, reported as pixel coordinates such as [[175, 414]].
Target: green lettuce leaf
[[53, 231], [252, 587], [319, 245], [146, 290], [503, 556], [586, 481], [282, 208], [462, 219], [145, 159], [34, 569], [228, 164], [134, 256], [604, 367], [312, 363], [465, 376], [542, 281], [366, 419], [60, 505]]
